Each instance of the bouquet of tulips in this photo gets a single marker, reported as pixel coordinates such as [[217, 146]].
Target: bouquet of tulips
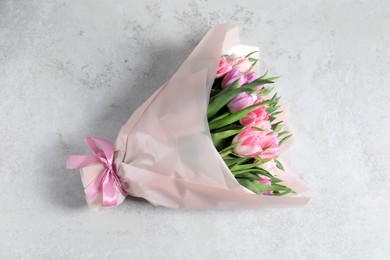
[[210, 137], [244, 124]]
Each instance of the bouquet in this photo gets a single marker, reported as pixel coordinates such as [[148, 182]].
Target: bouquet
[[213, 136], [241, 116]]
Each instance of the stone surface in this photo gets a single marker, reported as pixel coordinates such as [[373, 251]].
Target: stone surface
[[70, 69]]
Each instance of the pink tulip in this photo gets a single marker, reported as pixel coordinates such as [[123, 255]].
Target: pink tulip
[[253, 142], [250, 77], [235, 74], [265, 180], [270, 145], [232, 76], [223, 68], [239, 62], [241, 101], [232, 59], [264, 125], [255, 116]]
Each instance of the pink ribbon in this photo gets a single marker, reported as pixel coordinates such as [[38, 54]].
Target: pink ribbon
[[107, 181]]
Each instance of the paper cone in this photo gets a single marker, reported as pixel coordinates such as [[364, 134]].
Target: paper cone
[[164, 153]]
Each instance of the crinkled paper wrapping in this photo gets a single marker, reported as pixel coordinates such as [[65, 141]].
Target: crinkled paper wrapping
[[164, 153]]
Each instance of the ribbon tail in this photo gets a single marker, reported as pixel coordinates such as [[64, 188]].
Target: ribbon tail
[[109, 190]]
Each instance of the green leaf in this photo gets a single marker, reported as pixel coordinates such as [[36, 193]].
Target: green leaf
[[227, 150], [274, 97], [265, 91], [265, 74], [249, 185], [262, 187], [272, 109], [235, 161], [284, 139], [275, 180], [234, 85], [281, 193], [214, 91], [229, 127], [247, 175], [258, 82], [246, 166], [257, 170], [249, 54], [217, 137], [274, 78], [283, 133], [255, 186], [253, 65], [279, 164], [243, 160], [274, 114], [281, 189], [220, 116], [277, 126], [229, 158]]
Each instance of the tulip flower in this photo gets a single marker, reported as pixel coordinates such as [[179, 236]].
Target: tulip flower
[[252, 142], [223, 68], [241, 101], [239, 62], [255, 116]]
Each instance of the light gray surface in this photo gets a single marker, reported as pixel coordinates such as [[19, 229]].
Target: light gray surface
[[70, 69]]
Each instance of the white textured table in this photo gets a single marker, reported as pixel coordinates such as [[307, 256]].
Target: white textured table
[[70, 69]]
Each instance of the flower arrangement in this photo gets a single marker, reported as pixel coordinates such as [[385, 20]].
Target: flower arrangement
[[244, 124], [210, 137]]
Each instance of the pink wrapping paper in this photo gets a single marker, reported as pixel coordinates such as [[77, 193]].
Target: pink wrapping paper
[[164, 153]]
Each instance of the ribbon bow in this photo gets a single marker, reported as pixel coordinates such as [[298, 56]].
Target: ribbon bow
[[107, 182]]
